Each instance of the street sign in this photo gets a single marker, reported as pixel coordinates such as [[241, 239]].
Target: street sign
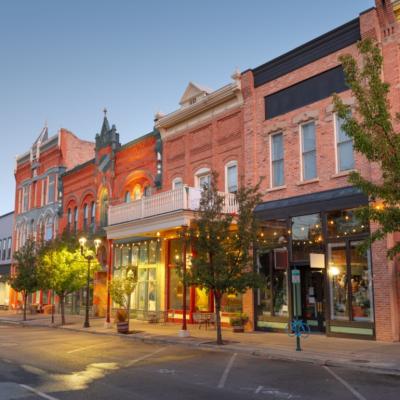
[[295, 276]]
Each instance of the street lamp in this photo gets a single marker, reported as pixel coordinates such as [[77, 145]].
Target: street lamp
[[184, 332], [89, 257]]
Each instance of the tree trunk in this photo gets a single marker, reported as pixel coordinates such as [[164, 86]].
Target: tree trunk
[[217, 299], [62, 309], [25, 298]]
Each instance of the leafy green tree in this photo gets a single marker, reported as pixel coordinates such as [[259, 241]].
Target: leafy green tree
[[223, 244], [25, 280], [371, 128], [63, 269], [122, 286]]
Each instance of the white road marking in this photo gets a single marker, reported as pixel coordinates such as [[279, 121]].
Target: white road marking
[[347, 385], [136, 360], [83, 348], [224, 376], [258, 390], [38, 393]]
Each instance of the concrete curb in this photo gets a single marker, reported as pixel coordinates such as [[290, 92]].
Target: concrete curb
[[270, 354]]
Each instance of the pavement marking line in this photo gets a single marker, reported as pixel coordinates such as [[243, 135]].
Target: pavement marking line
[[224, 376], [37, 392], [83, 348], [136, 360], [258, 390], [356, 394]]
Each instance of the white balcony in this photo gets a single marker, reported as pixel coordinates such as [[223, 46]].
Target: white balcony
[[185, 198]]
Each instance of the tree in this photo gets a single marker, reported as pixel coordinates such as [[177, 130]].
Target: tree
[[63, 269], [374, 136], [122, 286], [25, 280], [222, 246]]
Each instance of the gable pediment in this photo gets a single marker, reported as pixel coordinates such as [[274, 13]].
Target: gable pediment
[[193, 91]]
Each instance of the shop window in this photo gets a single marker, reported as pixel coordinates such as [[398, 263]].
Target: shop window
[[345, 223], [135, 255], [344, 147], [349, 273], [201, 300], [177, 183], [125, 256], [308, 152], [231, 303], [277, 167], [231, 177], [306, 236]]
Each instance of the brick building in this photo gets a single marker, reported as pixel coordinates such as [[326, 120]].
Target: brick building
[[6, 228], [38, 195], [294, 140]]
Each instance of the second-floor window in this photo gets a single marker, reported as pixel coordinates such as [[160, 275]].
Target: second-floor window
[[344, 147], [127, 197], [3, 257], [9, 248], [308, 151], [51, 189], [92, 215], [277, 167], [25, 204], [231, 174], [69, 219], [177, 183], [203, 178], [44, 191]]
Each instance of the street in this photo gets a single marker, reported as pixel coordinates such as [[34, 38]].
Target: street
[[53, 364]]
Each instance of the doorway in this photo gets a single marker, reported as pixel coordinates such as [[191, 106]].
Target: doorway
[[313, 297]]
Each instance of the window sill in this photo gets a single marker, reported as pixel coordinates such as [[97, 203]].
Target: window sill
[[309, 181], [274, 189], [343, 173]]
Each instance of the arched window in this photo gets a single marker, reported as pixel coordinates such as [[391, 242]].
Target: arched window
[[147, 191], [231, 177], [92, 216], [203, 178], [104, 208], [137, 192], [177, 183], [85, 217], [69, 220], [127, 197], [76, 219], [48, 233]]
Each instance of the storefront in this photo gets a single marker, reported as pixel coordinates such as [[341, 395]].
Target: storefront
[[318, 234], [4, 286]]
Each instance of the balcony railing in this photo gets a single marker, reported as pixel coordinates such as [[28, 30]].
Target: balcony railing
[[185, 198]]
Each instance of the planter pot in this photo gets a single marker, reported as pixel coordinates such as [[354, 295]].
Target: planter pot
[[358, 311], [123, 327], [238, 329]]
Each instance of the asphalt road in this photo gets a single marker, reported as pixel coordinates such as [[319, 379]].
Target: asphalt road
[[40, 363]]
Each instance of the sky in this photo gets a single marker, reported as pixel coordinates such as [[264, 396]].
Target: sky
[[64, 61]]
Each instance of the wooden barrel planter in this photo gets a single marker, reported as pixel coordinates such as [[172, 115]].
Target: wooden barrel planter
[[123, 327]]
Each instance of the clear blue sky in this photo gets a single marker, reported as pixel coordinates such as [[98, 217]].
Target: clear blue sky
[[64, 61]]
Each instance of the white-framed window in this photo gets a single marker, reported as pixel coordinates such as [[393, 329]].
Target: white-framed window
[[231, 177], [308, 151], [203, 178], [277, 159], [9, 248], [127, 197], [85, 216], [3, 256], [93, 213], [51, 189], [44, 191], [147, 191], [177, 183], [76, 215], [344, 147]]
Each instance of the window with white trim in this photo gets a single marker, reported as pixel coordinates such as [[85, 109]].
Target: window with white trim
[[231, 177], [44, 191], [308, 151], [127, 197], [203, 178], [48, 228], [177, 183], [85, 216], [25, 204], [51, 189], [344, 147], [9, 248], [76, 219], [277, 167]]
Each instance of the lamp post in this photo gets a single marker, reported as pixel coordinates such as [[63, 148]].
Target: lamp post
[[89, 257]]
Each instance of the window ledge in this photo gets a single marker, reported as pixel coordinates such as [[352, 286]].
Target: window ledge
[[343, 173], [274, 189], [301, 183]]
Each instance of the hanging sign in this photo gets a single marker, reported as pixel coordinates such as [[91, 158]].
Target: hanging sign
[[317, 260]]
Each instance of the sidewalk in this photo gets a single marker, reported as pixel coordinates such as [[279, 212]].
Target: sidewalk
[[379, 357]]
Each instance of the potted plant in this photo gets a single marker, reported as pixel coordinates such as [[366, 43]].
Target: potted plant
[[121, 288], [238, 322]]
